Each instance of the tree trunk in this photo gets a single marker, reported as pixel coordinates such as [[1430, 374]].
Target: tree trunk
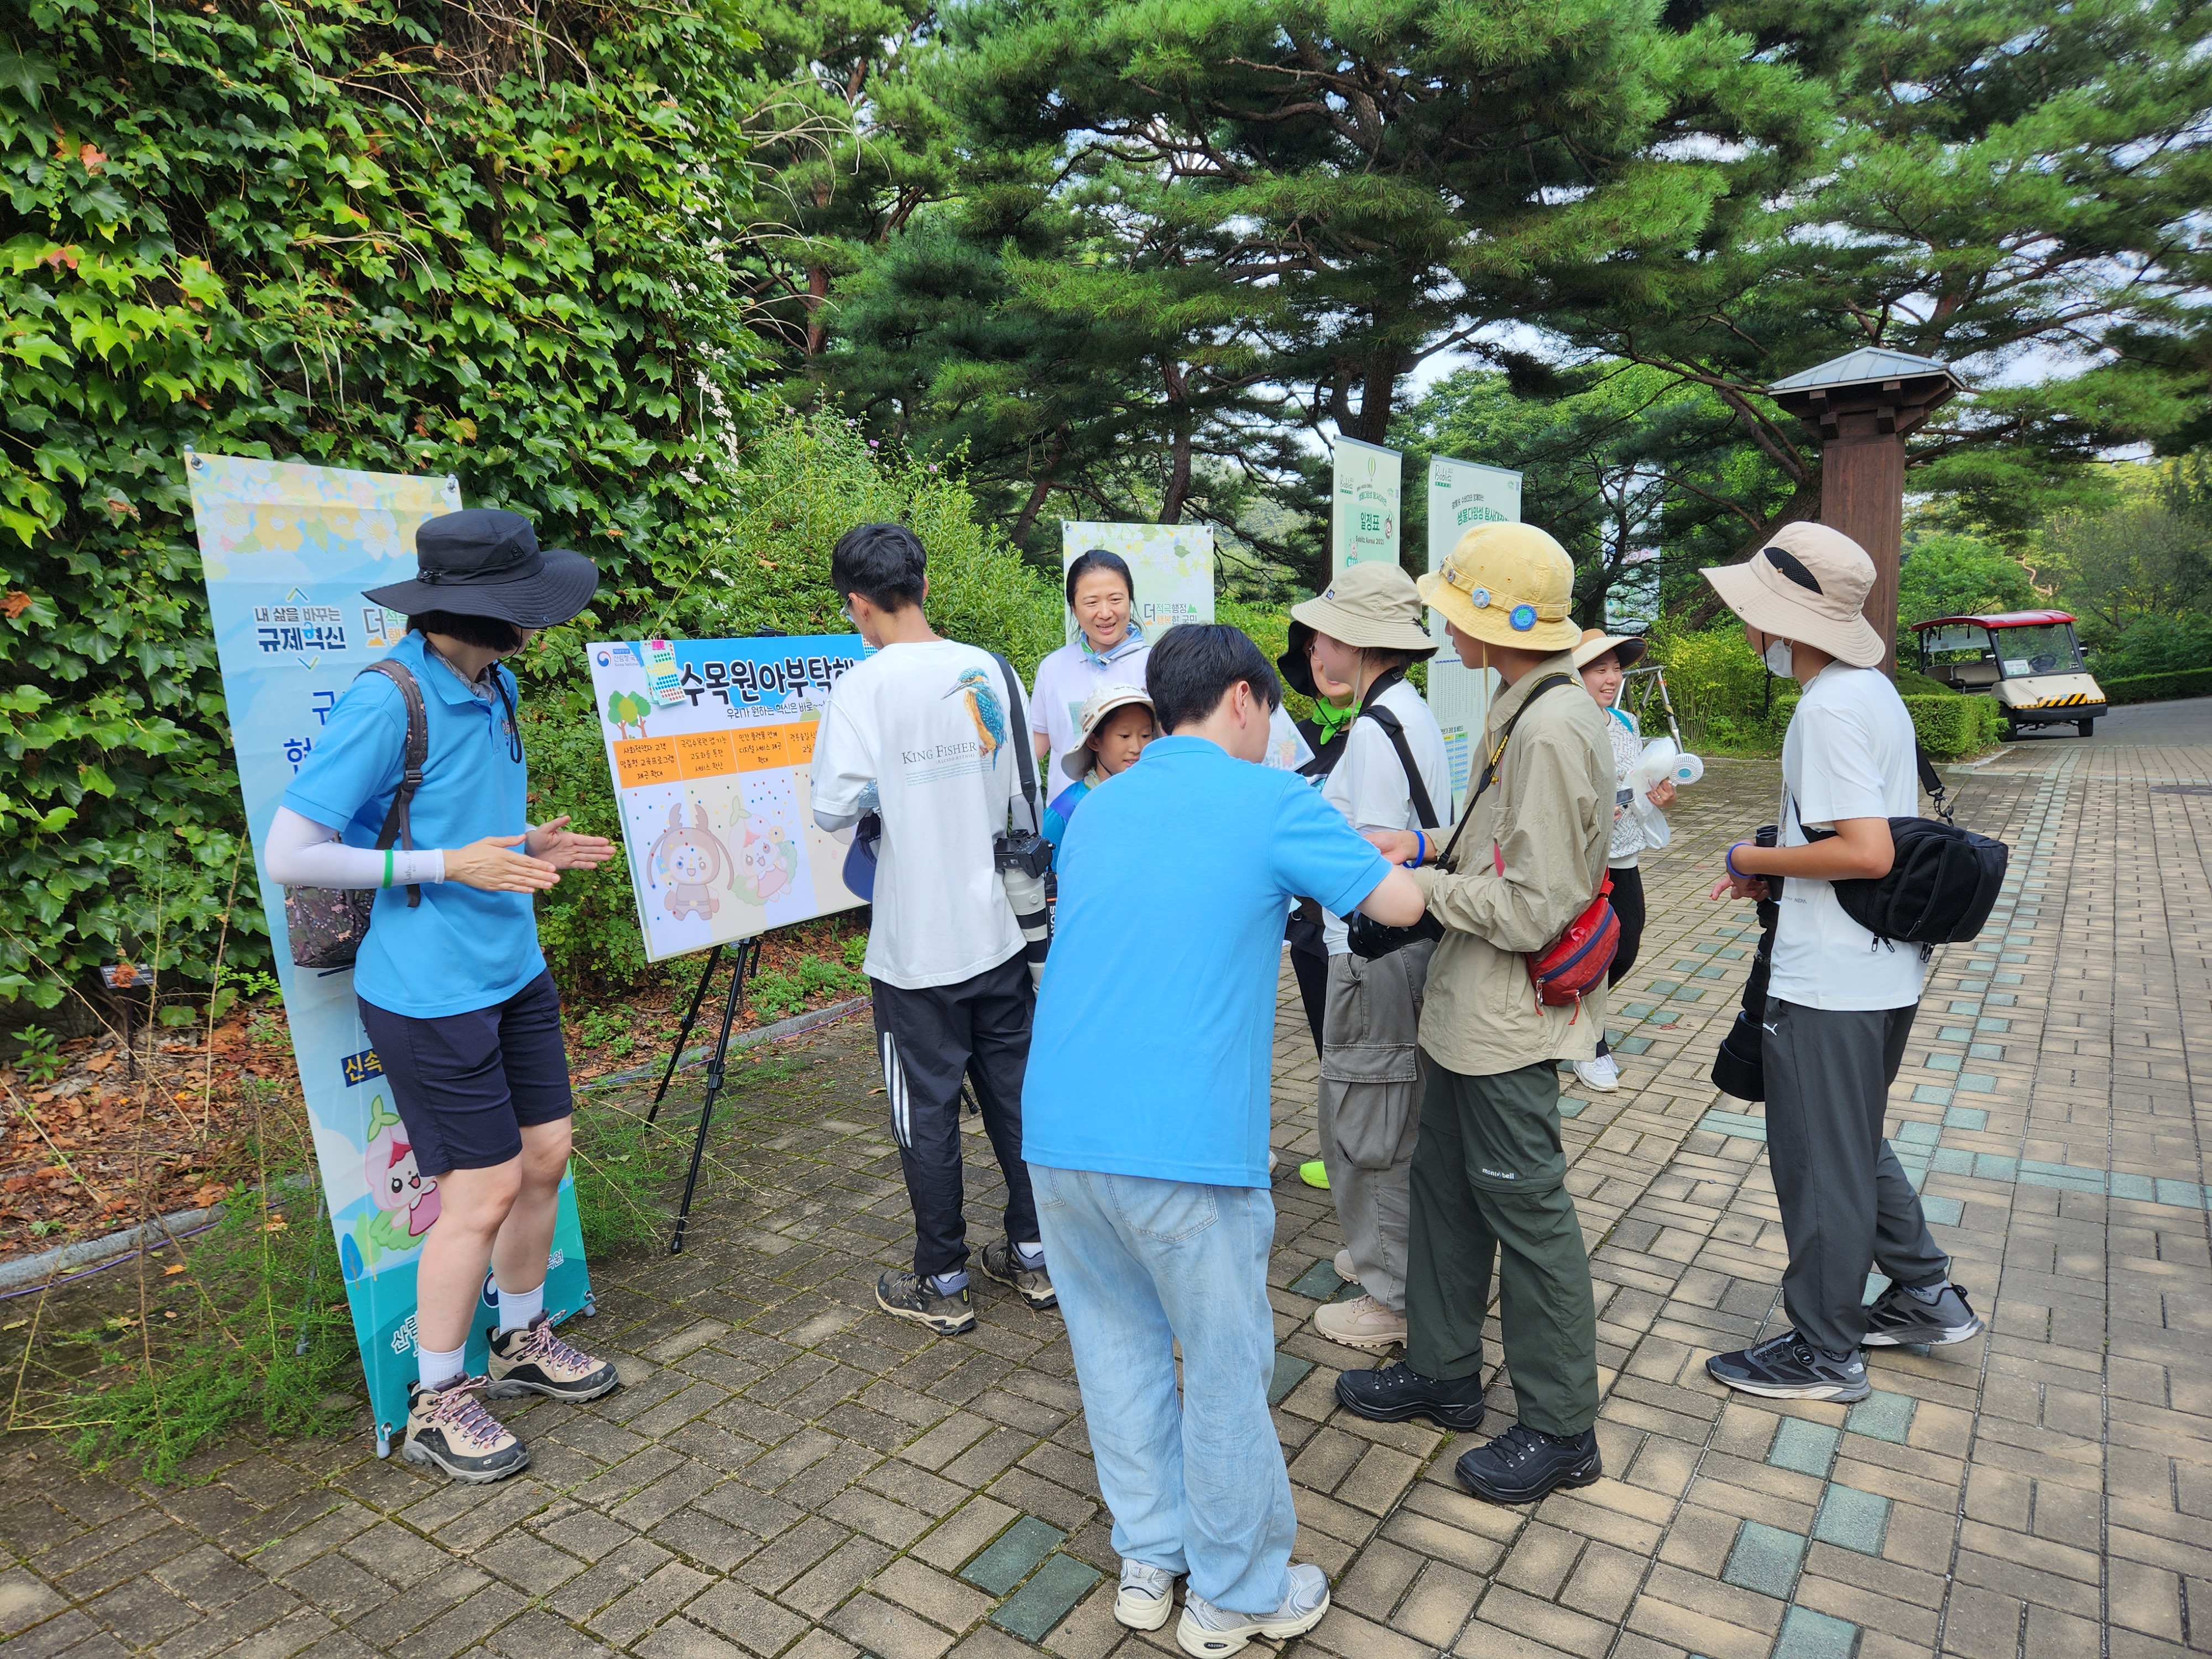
[[818, 292], [1031, 507], [1178, 487], [1378, 386]]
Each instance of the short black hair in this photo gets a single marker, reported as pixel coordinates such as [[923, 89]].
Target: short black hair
[[485, 633], [1192, 668], [884, 564], [1099, 559]]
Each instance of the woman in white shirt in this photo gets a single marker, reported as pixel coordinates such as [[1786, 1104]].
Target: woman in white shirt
[[1109, 649]]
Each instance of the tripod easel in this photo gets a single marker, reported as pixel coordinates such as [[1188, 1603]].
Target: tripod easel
[[746, 960]]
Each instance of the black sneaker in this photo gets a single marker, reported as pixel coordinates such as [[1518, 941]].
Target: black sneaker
[[1398, 1392], [1522, 1464], [1788, 1367], [1897, 1317], [1034, 1284], [909, 1295]]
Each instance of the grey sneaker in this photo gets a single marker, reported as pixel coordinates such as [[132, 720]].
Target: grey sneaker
[[1788, 1367], [1208, 1631], [909, 1295], [1343, 1266], [1147, 1596], [1897, 1317], [448, 1429], [1000, 1262]]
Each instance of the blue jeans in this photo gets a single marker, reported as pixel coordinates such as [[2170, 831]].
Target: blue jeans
[[1196, 1486]]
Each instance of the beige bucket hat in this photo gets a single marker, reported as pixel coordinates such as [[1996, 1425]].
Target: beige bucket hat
[[1596, 642], [1507, 584], [1807, 583], [1371, 607], [1076, 763]]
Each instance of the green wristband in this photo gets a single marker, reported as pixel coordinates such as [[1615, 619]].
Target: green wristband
[[387, 866]]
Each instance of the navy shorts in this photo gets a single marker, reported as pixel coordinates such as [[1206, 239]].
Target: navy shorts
[[466, 1086]]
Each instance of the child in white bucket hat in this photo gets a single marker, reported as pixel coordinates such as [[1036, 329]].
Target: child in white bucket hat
[[1111, 730], [1840, 1002]]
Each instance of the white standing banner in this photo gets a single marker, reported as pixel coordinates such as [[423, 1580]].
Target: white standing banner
[[1364, 517], [1171, 564], [1463, 494]]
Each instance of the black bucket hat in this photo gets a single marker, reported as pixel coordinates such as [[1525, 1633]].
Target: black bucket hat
[[482, 561], [1294, 666]]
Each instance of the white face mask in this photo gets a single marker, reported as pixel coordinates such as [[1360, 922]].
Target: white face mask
[[1777, 659]]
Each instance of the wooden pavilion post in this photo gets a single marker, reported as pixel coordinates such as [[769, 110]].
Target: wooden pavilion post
[[1863, 404]]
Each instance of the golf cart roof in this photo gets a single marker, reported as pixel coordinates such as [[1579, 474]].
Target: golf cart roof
[[2000, 619]]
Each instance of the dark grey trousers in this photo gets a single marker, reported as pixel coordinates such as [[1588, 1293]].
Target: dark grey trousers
[[1846, 1206]]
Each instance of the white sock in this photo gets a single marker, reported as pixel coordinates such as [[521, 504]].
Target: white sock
[[517, 1308], [1032, 1255], [440, 1370]]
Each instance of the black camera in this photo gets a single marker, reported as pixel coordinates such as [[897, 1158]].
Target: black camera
[[1022, 850], [1740, 1067]]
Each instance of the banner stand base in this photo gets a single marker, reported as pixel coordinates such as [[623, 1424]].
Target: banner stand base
[[746, 960]]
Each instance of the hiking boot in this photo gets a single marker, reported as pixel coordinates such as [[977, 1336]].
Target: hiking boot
[[535, 1360], [1398, 1392], [1788, 1367], [1147, 1596], [1034, 1284], [1208, 1631], [448, 1429], [909, 1295], [1343, 1266], [1897, 1317], [1361, 1322], [1522, 1464], [1602, 1073]]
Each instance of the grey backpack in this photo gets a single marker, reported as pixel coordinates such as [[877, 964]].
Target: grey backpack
[[327, 924]]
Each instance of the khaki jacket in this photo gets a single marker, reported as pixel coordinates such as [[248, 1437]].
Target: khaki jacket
[[1550, 816]]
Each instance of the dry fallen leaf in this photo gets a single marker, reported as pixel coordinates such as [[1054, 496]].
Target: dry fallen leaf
[[179, 1267]]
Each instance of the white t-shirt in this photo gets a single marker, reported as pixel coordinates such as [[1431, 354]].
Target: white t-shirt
[[1367, 784], [1848, 754], [1066, 679], [921, 733]]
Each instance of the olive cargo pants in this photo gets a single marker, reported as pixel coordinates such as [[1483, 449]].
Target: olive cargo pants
[[1489, 1182]]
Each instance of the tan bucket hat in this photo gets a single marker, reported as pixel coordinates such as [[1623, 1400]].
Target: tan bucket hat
[[1596, 642], [1507, 584], [1076, 763], [1807, 583], [1370, 607]]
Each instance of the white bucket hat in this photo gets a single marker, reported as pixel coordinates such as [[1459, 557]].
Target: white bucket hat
[[1807, 583], [1076, 763]]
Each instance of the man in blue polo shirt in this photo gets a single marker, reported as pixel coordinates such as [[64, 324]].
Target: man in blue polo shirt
[[1144, 1127]]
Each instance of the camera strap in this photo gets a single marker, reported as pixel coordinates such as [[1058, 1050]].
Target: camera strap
[[1018, 733]]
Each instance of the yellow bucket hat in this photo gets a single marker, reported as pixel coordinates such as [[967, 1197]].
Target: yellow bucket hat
[[1509, 585]]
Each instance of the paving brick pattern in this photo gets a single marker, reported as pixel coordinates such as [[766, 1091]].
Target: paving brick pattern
[[791, 1475]]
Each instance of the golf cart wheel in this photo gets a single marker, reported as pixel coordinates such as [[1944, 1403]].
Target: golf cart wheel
[[2085, 727], [2011, 733]]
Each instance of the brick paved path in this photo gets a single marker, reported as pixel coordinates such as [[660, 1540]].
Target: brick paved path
[[791, 1473]]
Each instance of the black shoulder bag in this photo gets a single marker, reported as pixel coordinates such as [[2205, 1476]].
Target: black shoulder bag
[[1371, 939], [1941, 885], [326, 924]]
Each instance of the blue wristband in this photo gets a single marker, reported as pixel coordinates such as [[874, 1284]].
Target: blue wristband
[[1420, 850], [1728, 859]]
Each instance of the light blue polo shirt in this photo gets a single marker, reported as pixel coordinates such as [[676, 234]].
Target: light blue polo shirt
[[1155, 1022], [461, 949]]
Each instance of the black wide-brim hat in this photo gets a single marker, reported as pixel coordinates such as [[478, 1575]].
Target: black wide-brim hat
[[1294, 666], [482, 561]]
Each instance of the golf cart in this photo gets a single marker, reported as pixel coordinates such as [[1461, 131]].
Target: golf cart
[[2028, 660]]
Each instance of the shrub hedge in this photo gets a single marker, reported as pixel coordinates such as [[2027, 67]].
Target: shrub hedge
[[2156, 687], [1949, 725]]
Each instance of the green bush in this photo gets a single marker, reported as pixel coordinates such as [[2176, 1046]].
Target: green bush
[[2156, 687], [1949, 725], [390, 235]]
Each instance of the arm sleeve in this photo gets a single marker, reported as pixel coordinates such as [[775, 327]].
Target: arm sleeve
[[844, 772], [301, 852], [1838, 779], [1546, 883], [1314, 851]]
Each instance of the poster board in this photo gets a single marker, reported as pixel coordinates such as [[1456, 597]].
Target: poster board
[[711, 747], [1463, 494], [1364, 515], [1171, 564], [286, 551]]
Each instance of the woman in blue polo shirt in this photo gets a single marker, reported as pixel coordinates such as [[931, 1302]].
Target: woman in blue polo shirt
[[452, 990]]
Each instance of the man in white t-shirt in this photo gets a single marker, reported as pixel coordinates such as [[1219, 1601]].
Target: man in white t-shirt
[[1840, 1001], [1363, 631], [929, 734]]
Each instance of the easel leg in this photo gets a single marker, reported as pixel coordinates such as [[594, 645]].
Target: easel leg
[[683, 1032], [729, 1006]]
